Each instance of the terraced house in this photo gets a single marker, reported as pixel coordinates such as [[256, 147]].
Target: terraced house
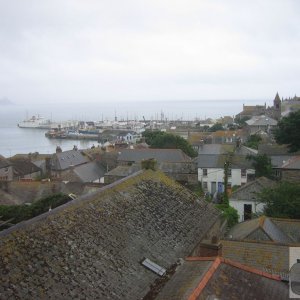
[[211, 162]]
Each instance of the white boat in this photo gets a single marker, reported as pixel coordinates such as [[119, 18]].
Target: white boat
[[36, 122]]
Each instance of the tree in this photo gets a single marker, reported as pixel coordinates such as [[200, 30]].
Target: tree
[[288, 131], [283, 201], [253, 141], [158, 139], [216, 127], [262, 165]]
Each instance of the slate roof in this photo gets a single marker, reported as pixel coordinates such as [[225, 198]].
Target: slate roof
[[218, 161], [261, 121], [215, 149], [262, 228], [92, 247], [161, 155], [89, 172], [274, 149], [24, 167], [250, 190], [219, 278], [215, 155], [290, 227], [278, 161], [62, 161]]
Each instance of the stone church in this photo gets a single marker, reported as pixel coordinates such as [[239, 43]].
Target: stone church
[[273, 112]]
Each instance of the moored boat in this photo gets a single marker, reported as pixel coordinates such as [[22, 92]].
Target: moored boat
[[36, 122]]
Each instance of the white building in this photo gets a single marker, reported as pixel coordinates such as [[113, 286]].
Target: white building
[[211, 162], [245, 199]]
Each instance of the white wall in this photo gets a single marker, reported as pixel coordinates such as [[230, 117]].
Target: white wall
[[217, 175], [239, 206]]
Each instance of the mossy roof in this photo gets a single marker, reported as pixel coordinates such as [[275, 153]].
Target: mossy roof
[[92, 247]]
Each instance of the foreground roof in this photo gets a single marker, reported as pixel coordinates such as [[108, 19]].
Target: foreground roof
[[94, 245], [219, 278]]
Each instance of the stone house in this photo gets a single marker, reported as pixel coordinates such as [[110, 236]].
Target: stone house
[[258, 124], [24, 169], [173, 162], [61, 162], [288, 169]]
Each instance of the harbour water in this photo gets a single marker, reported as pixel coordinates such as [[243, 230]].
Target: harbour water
[[14, 140]]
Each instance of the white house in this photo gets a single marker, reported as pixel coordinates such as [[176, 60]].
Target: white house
[[211, 161], [245, 199]]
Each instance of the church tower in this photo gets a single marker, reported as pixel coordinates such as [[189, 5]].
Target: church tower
[[277, 107]]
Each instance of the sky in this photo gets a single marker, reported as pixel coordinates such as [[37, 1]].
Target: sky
[[150, 50]]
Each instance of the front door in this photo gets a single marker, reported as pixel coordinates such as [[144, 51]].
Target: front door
[[247, 211], [213, 187], [220, 187]]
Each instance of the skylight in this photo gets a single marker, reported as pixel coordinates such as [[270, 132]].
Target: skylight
[[153, 267]]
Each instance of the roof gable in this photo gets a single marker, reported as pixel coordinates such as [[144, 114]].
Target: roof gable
[[259, 229]]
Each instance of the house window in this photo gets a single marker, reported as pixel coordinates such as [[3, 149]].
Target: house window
[[204, 172], [204, 185], [243, 172], [277, 173]]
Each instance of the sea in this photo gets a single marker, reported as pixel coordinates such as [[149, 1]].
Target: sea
[[15, 140]]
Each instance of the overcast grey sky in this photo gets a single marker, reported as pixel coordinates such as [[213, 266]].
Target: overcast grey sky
[[96, 50]]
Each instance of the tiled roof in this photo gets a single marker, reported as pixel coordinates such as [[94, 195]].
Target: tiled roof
[[161, 155], [219, 278], [92, 247]]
